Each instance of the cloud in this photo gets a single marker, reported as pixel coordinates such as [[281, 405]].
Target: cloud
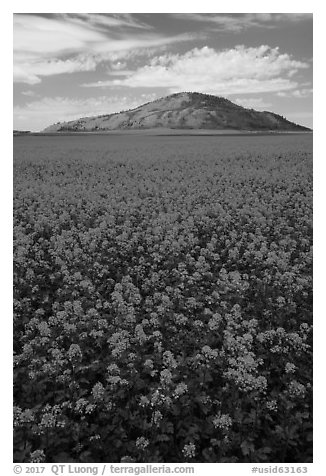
[[118, 66], [252, 103], [67, 43], [29, 93], [239, 22], [39, 35], [104, 21], [233, 71], [37, 115], [297, 93], [47, 46], [30, 72]]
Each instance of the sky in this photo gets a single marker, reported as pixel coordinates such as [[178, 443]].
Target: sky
[[67, 65]]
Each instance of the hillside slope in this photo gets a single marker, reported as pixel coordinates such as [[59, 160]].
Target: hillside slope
[[183, 111]]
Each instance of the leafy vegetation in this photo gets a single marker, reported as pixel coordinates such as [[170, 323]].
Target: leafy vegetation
[[162, 299]]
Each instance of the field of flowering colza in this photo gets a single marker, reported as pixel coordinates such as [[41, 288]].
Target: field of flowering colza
[[163, 299]]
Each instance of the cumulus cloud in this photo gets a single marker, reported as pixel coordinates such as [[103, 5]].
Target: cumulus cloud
[[48, 110], [118, 66], [233, 71]]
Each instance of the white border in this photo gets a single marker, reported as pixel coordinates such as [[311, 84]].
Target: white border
[[319, 11]]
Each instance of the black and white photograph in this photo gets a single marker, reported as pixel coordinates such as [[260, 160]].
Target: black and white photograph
[[162, 240]]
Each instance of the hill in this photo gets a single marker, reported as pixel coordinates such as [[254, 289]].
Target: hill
[[183, 111]]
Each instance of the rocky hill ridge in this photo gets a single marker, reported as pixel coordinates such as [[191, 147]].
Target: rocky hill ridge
[[183, 111]]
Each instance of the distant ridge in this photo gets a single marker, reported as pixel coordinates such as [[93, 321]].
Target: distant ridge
[[20, 133], [185, 110]]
